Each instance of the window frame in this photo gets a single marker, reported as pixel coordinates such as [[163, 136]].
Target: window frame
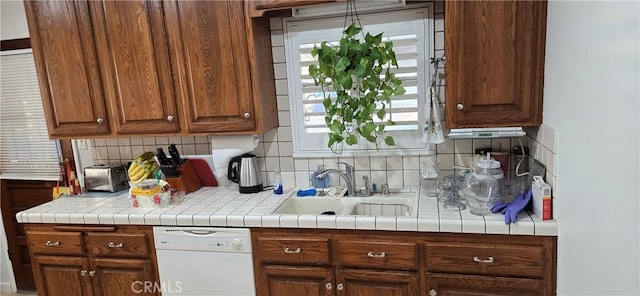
[[423, 18]]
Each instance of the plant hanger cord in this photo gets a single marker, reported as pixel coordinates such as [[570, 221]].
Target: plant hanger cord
[[351, 14]]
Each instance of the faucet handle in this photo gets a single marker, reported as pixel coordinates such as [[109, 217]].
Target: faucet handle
[[347, 166]]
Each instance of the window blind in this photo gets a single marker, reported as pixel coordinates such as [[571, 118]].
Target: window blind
[[25, 149], [411, 33]]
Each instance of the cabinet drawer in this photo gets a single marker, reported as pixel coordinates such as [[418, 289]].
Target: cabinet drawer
[[51, 242], [377, 254], [486, 259], [118, 244], [298, 251]]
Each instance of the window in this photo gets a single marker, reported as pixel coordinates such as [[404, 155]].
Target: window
[[412, 34], [25, 149]]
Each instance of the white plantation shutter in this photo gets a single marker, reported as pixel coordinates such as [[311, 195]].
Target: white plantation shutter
[[25, 149], [411, 32]]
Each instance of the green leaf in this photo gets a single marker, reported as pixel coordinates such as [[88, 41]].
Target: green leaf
[[342, 64], [326, 103], [381, 113], [352, 30], [399, 91], [369, 127], [346, 82], [381, 128], [351, 140], [371, 139], [389, 141]]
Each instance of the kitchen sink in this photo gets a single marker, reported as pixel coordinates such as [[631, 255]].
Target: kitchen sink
[[396, 204]]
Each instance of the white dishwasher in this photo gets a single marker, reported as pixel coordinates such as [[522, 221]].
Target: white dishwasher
[[204, 261]]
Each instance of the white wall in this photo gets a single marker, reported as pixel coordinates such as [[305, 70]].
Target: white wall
[[592, 99], [13, 21]]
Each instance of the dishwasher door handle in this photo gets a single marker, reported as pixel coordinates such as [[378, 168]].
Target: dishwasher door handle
[[200, 232]]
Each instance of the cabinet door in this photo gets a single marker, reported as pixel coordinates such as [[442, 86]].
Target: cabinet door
[[495, 63], [67, 68], [124, 277], [454, 285], [209, 41], [294, 281], [380, 283], [132, 45], [62, 276]]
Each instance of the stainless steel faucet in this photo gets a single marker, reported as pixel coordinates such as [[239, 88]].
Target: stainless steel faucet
[[348, 175], [366, 191]]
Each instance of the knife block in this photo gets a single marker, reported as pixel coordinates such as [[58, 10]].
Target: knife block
[[188, 180]]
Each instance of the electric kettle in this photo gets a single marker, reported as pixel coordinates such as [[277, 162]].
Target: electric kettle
[[244, 170]]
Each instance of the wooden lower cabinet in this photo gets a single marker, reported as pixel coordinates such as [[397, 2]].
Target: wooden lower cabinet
[[122, 276], [93, 260], [380, 283], [360, 262], [295, 280], [62, 276], [459, 285], [278, 280]]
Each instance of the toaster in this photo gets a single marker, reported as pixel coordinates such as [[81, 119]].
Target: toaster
[[106, 178]]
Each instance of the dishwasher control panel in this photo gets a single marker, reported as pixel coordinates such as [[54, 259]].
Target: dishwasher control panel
[[202, 239]]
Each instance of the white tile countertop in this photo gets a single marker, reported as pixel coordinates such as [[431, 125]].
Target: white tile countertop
[[225, 207]]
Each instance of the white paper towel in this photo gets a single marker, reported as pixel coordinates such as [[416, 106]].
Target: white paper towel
[[225, 147]]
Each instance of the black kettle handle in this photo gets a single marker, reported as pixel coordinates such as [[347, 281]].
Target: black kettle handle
[[232, 171]]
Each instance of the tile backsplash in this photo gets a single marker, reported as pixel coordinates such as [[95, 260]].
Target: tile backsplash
[[276, 148]]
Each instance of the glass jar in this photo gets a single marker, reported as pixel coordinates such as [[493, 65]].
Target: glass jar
[[481, 189]]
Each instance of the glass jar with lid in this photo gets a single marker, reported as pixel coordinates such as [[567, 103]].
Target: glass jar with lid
[[481, 188]]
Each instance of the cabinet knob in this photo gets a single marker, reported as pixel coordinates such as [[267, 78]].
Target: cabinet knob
[[114, 245], [433, 292], [92, 273], [328, 286], [83, 273], [340, 287], [170, 118], [100, 120], [459, 106], [52, 244], [247, 115]]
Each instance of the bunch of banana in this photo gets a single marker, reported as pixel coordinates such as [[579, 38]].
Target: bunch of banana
[[142, 167]]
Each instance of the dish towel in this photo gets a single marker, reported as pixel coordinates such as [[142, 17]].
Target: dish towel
[[432, 133]]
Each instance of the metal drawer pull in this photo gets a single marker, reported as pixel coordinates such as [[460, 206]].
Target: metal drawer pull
[[113, 245], [328, 286], [340, 287], [488, 260], [92, 273], [433, 293], [83, 273], [52, 244], [290, 251], [381, 255]]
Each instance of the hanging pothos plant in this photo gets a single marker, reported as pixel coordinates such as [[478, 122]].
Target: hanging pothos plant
[[358, 72]]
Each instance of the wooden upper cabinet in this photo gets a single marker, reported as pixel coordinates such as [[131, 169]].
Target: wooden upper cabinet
[[132, 45], [223, 67], [66, 63], [209, 41], [495, 63]]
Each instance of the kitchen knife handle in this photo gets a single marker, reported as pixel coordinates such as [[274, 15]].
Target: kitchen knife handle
[[175, 155]]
